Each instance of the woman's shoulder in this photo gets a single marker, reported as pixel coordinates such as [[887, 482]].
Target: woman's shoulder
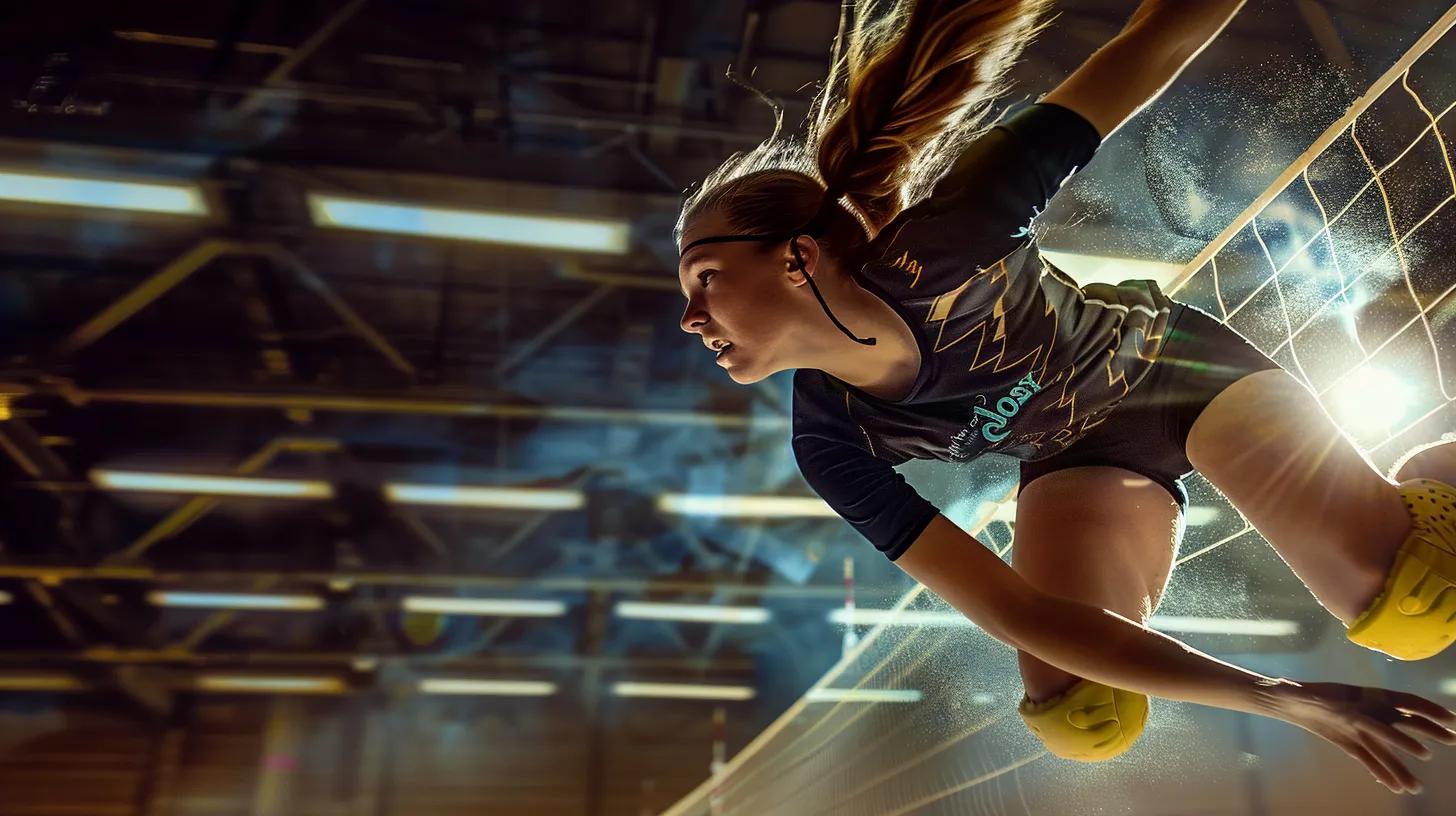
[[819, 403]]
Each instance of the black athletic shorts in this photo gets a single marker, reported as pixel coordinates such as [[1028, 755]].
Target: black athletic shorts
[[1148, 431]]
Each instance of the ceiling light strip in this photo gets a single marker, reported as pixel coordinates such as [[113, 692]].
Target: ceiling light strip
[[678, 691], [602, 235], [744, 506], [503, 607], [235, 600], [695, 613], [498, 688], [502, 497], [145, 482], [80, 191]]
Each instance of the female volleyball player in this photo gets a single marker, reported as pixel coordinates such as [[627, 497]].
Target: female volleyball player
[[972, 342]]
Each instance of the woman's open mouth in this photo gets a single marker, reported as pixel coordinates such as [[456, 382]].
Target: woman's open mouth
[[723, 352]]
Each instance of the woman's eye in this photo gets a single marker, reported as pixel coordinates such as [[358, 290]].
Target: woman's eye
[[704, 275]]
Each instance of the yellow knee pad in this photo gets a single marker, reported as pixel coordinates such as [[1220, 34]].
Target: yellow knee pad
[[1414, 616], [1089, 722]]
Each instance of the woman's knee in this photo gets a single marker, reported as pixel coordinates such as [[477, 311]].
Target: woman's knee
[[1434, 460], [1089, 722]]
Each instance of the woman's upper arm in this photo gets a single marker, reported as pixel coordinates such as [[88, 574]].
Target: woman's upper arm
[[1123, 75], [965, 574]]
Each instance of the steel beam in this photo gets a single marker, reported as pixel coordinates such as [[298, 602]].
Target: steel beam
[[168, 277], [280, 73], [706, 586], [203, 254], [434, 662], [562, 322], [430, 402], [316, 92], [351, 318]]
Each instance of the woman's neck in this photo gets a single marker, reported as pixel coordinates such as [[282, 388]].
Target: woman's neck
[[886, 370]]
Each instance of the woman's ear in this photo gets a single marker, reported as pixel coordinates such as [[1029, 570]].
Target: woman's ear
[[808, 250]]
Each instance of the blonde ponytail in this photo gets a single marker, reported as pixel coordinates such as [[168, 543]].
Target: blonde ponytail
[[917, 83], [929, 70]]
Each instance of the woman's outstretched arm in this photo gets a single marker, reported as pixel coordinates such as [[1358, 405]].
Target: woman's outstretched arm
[[1107, 648], [1134, 67]]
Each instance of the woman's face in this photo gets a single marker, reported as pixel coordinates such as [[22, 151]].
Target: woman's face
[[743, 293]]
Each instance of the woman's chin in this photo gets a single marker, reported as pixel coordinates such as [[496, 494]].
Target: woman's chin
[[743, 368], [748, 375], [741, 374]]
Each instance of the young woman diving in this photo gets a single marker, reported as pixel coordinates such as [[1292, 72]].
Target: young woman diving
[[901, 218]]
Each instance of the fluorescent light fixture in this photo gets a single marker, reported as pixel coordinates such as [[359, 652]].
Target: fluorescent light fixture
[[682, 691], [607, 235], [210, 485], [78, 191], [40, 682], [506, 688], [504, 607], [983, 698], [510, 497], [864, 696], [231, 600], [1197, 515], [1448, 686], [701, 613], [1223, 626], [890, 617], [686, 504], [269, 685]]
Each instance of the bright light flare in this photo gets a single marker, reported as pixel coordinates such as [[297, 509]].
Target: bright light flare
[[1371, 397]]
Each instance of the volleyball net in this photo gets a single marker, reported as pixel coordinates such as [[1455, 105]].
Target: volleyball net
[[1343, 271]]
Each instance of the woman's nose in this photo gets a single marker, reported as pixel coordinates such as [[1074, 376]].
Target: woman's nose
[[693, 318]]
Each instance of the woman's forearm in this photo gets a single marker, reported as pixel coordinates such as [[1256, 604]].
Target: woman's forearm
[[1103, 646], [1075, 637], [1135, 66], [1191, 23]]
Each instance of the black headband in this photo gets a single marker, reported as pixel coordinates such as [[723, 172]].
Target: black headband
[[817, 225]]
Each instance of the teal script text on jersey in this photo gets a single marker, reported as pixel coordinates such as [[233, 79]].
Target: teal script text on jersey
[[1006, 408]]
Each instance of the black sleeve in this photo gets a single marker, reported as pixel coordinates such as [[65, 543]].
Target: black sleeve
[[1016, 167], [865, 491], [979, 210]]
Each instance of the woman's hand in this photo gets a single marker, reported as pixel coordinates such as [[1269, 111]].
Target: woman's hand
[[1363, 721]]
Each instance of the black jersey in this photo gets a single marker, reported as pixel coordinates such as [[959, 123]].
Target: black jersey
[[1016, 358]]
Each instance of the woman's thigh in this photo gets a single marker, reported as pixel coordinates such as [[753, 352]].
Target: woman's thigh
[[1105, 536]]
